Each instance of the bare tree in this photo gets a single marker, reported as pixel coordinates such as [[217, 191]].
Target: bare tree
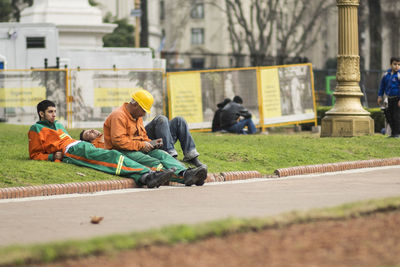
[[178, 14], [18, 6], [250, 23], [291, 24], [298, 26]]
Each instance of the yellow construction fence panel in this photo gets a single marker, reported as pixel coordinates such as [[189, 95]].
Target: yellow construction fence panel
[[185, 97]]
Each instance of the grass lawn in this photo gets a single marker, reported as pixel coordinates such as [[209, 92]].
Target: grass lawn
[[221, 152]]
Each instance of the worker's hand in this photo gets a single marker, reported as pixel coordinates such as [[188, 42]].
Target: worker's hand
[[398, 104], [147, 147], [379, 100], [58, 155], [159, 143]]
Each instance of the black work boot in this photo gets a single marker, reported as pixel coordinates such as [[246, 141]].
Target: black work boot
[[196, 162], [156, 179], [195, 176]]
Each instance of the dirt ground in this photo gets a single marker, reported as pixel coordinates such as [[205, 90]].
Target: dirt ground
[[373, 240]]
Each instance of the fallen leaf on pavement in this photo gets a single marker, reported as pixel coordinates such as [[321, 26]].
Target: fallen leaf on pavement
[[96, 219]]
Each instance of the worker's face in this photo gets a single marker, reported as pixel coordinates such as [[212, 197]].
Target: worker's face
[[90, 135], [137, 111], [395, 66], [49, 114]]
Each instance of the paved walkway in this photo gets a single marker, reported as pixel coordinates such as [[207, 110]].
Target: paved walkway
[[36, 220]]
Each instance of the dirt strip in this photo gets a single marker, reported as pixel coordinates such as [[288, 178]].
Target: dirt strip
[[355, 242]]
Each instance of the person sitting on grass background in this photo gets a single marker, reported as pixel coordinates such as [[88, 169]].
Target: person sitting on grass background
[[48, 140], [216, 122], [231, 116]]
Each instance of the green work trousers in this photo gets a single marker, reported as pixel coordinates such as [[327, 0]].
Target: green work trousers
[[108, 161], [158, 159]]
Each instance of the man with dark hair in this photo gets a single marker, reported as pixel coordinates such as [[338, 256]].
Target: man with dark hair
[[93, 136], [230, 118], [216, 122], [48, 140], [238, 99], [124, 131], [390, 86]]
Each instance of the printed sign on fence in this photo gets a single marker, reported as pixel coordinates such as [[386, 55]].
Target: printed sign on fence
[[21, 97], [287, 94], [112, 97], [271, 95], [280, 95], [185, 97]]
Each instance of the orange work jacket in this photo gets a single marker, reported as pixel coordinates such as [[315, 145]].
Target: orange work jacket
[[46, 138], [99, 141], [123, 132]]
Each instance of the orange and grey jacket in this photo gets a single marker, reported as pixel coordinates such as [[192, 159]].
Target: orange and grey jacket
[[99, 141], [123, 132], [46, 138]]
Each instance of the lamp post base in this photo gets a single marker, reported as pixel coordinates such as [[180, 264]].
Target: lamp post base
[[346, 126]]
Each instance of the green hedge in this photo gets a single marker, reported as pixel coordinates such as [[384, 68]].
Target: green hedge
[[376, 114]]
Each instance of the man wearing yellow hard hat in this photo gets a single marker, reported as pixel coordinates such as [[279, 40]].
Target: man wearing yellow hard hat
[[124, 131]]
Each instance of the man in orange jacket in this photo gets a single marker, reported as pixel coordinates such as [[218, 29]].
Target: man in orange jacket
[[48, 140], [125, 132]]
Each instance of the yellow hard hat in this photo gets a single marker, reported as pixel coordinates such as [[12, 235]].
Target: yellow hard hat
[[144, 99]]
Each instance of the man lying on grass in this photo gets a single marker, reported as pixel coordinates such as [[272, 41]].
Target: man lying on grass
[[48, 140]]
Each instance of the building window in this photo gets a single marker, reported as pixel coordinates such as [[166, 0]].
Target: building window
[[162, 10], [35, 42], [197, 63], [197, 11], [197, 36]]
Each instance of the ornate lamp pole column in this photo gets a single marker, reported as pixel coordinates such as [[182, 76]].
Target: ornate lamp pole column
[[347, 118]]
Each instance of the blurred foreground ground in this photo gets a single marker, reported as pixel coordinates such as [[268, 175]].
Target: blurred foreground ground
[[367, 241]]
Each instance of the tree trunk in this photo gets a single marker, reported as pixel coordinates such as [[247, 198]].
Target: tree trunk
[[144, 24], [375, 29], [362, 28]]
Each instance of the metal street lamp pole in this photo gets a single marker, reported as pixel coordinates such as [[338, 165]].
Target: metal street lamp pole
[[347, 118]]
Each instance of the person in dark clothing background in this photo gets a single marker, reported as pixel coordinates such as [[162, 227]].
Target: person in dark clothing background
[[230, 118], [216, 122]]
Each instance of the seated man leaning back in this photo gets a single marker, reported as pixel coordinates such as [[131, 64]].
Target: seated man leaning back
[[125, 132], [48, 140]]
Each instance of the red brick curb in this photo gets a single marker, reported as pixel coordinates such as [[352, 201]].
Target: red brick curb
[[70, 188], [227, 176], [97, 186], [333, 167]]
